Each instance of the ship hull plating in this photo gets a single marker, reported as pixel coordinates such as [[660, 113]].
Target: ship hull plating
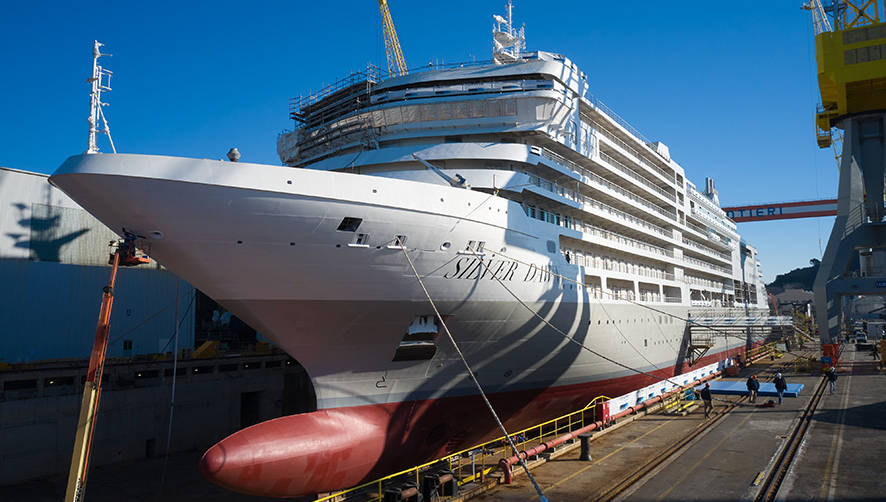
[[271, 245]]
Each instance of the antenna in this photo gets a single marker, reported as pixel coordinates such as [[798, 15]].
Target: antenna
[[507, 42], [101, 81]]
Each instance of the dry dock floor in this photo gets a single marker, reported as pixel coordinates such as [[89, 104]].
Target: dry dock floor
[[840, 458]]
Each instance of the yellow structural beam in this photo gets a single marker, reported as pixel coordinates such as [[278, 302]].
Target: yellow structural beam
[[851, 67], [396, 61]]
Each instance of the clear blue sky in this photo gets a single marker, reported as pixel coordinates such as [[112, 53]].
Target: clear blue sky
[[729, 86]]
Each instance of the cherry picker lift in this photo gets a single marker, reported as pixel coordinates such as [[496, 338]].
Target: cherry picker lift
[[124, 255]]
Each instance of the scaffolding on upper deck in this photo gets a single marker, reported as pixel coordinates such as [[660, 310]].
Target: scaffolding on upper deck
[[309, 106]]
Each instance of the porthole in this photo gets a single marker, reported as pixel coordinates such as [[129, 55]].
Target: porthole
[[446, 245]]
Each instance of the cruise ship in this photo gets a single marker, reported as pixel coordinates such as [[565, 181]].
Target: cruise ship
[[532, 213]]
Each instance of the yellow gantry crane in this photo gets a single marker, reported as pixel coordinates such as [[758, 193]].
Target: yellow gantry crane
[[396, 61], [850, 51]]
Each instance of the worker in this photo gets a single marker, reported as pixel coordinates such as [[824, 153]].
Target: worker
[[706, 397], [832, 378], [875, 351], [753, 387], [780, 386]]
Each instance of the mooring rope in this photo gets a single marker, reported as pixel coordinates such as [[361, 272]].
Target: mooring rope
[[634, 302], [569, 338], [471, 372]]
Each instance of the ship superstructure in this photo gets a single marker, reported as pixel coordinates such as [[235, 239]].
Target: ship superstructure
[[532, 212], [529, 131]]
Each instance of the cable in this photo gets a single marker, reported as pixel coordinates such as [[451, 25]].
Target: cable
[[470, 372], [579, 283], [174, 375], [569, 338]]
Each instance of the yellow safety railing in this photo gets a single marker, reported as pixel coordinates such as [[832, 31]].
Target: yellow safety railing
[[477, 461], [762, 349]]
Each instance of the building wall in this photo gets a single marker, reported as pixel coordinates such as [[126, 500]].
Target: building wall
[[53, 264], [213, 398]]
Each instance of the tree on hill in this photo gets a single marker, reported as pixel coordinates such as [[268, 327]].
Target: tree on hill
[[800, 278]]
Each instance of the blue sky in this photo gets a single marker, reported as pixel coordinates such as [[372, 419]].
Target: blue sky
[[729, 86]]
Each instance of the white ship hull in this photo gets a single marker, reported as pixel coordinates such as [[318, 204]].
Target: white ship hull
[[262, 241]]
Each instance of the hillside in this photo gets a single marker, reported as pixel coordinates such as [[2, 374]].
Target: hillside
[[799, 278]]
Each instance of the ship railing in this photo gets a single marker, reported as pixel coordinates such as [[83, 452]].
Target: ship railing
[[593, 178], [475, 463], [621, 239], [585, 172], [600, 105], [599, 180], [297, 105], [705, 264], [631, 173], [673, 299], [641, 159], [619, 214], [705, 249]]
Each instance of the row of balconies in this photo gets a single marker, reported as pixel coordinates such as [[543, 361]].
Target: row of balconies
[[706, 265], [638, 157], [709, 251]]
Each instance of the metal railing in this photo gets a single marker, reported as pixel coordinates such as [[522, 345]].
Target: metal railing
[[641, 159], [708, 283], [600, 105], [627, 171], [619, 214], [599, 180], [636, 176], [621, 239], [705, 249], [696, 261], [474, 463], [570, 194]]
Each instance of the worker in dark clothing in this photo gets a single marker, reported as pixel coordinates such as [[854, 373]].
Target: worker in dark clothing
[[753, 387], [780, 386], [832, 378], [875, 350], [706, 397]]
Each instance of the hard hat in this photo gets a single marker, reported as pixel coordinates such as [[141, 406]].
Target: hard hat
[[778, 375]]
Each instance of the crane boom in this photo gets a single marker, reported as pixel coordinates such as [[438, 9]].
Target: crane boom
[[396, 61]]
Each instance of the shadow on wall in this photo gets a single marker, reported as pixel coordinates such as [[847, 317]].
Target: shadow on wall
[[45, 231]]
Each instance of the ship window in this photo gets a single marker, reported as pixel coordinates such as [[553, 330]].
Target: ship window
[[349, 224], [552, 247]]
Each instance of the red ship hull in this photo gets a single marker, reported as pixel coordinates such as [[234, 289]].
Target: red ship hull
[[332, 449]]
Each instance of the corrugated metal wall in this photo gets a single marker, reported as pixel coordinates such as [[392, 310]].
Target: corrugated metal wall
[[53, 265]]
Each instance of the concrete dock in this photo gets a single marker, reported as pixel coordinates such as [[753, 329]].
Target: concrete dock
[[839, 458]]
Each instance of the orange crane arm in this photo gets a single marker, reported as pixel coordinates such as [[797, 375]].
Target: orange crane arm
[[125, 255]]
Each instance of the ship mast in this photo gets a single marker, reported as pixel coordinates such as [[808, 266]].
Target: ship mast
[[507, 42], [101, 81]]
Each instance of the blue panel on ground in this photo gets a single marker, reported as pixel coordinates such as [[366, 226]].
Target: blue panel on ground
[[739, 388]]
